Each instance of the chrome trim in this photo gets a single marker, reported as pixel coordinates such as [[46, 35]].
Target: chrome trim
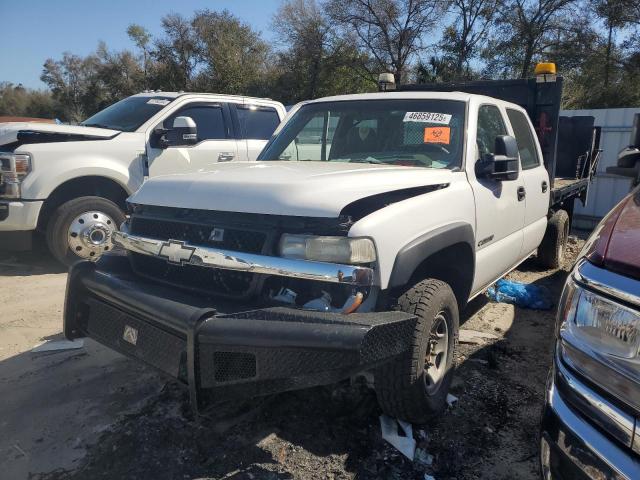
[[601, 411], [607, 282], [248, 262], [582, 443]]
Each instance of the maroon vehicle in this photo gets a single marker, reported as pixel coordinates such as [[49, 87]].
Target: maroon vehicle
[[591, 419]]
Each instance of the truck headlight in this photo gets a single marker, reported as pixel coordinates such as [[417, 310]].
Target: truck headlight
[[345, 250], [604, 325], [13, 168], [599, 331]]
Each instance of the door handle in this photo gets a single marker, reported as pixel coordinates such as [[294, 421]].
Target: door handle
[[226, 156], [545, 186], [521, 193]]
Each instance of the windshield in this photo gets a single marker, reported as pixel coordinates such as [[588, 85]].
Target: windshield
[[420, 133], [128, 114]]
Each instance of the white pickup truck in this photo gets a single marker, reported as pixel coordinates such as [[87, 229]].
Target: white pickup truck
[[71, 182], [351, 245]]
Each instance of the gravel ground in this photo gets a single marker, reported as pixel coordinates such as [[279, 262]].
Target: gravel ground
[[91, 413]]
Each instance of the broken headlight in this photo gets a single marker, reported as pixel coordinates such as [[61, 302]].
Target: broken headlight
[[345, 250]]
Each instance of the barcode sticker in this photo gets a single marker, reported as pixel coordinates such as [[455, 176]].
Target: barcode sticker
[[427, 117], [158, 101]]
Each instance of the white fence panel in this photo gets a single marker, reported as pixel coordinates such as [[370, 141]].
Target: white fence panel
[[606, 190]]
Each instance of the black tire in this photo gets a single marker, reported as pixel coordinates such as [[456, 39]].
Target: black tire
[[554, 242], [400, 385], [60, 222]]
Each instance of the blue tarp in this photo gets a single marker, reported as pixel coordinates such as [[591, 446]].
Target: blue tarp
[[524, 295]]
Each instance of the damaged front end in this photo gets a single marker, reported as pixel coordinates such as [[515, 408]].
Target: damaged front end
[[231, 323]]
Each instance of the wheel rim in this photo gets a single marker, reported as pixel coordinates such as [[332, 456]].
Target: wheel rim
[[90, 233], [435, 366]]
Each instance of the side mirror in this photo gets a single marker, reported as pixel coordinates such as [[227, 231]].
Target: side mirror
[[502, 165], [183, 133]]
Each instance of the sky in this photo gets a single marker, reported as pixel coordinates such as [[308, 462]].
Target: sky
[[34, 30]]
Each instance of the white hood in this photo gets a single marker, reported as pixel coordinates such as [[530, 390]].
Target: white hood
[[314, 189], [9, 131]]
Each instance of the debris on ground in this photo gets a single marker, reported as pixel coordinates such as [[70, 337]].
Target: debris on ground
[[475, 337], [523, 295], [58, 345], [399, 434], [451, 399], [423, 457]]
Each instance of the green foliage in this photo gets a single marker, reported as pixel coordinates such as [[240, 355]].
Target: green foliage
[[17, 101], [329, 47]]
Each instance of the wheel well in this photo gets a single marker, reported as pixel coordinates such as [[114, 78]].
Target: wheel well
[[80, 187], [454, 265]]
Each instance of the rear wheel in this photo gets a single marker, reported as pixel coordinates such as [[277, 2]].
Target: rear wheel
[[554, 242], [414, 387], [81, 229]]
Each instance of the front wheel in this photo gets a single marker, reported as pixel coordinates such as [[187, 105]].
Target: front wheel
[[81, 229], [414, 387]]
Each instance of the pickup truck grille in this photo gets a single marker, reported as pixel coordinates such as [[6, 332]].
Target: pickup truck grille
[[210, 281], [240, 240]]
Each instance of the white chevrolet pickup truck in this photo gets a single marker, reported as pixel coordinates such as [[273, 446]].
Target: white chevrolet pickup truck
[[71, 182], [351, 245]]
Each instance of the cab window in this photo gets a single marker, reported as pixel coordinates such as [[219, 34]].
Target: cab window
[[208, 118], [257, 123], [490, 125], [524, 138]]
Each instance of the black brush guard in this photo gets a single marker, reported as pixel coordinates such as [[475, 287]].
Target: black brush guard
[[219, 351]]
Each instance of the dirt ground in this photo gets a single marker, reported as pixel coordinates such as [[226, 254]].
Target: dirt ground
[[91, 413]]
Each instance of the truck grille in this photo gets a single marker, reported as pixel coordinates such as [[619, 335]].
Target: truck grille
[[211, 281], [240, 240]]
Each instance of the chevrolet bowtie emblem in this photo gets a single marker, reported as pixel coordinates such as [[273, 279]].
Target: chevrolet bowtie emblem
[[176, 252]]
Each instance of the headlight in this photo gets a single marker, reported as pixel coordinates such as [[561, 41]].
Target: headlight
[[599, 330], [604, 325], [13, 168], [345, 250]]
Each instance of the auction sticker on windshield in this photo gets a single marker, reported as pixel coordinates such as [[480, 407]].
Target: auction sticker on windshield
[[437, 135], [158, 101], [427, 117]]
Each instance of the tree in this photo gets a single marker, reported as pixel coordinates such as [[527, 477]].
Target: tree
[[316, 60], [15, 100], [465, 37], [391, 31], [525, 30], [233, 56], [120, 74], [73, 81], [615, 14], [176, 54], [142, 38]]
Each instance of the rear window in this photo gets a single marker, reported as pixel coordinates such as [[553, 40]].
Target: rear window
[[257, 123]]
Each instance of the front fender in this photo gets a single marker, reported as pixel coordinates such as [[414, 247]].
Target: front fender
[[414, 253]]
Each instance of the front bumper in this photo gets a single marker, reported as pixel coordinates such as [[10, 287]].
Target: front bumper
[[223, 350], [19, 215], [572, 446]]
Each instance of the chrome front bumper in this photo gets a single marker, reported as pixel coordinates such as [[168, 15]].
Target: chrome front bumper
[[183, 253], [571, 445]]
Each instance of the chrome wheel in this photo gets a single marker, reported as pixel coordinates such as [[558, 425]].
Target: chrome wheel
[[435, 366], [90, 234]]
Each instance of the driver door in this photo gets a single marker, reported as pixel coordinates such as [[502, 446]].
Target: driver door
[[215, 141], [499, 211]]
